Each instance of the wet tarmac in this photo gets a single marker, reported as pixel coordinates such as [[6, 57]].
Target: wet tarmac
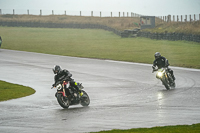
[[123, 95]]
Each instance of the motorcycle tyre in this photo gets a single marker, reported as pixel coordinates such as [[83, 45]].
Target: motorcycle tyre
[[83, 103], [174, 85], [63, 103], [167, 86]]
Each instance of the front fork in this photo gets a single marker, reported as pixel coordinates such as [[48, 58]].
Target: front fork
[[63, 92]]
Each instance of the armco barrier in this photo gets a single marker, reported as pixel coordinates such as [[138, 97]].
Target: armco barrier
[[58, 25]]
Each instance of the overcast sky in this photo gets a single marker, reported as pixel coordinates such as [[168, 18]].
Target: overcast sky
[[143, 7]]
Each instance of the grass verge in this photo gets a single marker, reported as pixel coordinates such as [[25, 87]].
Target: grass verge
[[92, 43], [10, 91], [195, 128]]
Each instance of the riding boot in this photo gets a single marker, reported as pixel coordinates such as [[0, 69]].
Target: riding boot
[[79, 93], [173, 78]]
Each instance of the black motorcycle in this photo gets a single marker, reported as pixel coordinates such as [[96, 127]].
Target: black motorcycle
[[165, 77], [67, 95]]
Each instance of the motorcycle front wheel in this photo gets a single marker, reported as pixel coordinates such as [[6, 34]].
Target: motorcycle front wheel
[[85, 100], [64, 102], [165, 83]]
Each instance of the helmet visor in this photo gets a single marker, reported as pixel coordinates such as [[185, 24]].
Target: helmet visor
[[156, 57]]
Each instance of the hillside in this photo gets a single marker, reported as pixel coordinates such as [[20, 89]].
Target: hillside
[[177, 27], [114, 22], [118, 23]]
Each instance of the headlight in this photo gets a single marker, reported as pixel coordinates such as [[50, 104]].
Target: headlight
[[160, 74], [59, 87]]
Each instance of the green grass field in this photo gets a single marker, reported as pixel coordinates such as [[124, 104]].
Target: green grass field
[[12, 91], [195, 128], [100, 44]]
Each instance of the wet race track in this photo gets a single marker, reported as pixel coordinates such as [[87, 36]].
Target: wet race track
[[123, 95]]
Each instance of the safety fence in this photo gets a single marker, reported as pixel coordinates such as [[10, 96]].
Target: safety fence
[[181, 18], [70, 13], [169, 18]]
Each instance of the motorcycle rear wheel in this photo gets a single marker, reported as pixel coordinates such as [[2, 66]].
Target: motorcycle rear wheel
[[63, 102], [85, 100]]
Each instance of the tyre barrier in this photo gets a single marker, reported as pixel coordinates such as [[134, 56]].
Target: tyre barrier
[[130, 33], [58, 25], [170, 36]]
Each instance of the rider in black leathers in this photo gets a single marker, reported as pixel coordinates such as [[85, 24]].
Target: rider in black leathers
[[160, 62], [62, 75], [0, 41]]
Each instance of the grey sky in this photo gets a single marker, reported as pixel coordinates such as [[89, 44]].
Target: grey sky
[[144, 7]]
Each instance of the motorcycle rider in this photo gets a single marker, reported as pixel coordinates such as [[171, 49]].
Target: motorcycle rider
[[65, 75], [160, 62], [0, 41]]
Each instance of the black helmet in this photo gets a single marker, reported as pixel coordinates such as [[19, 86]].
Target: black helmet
[[57, 69], [157, 55]]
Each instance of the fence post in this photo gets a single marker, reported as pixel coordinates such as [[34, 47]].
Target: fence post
[[28, 12], [65, 12], [194, 18], [199, 16], [119, 14], [0, 11], [80, 13], [173, 18], [92, 13], [40, 12], [52, 12], [190, 18], [127, 14], [100, 14], [177, 18], [111, 14], [13, 11], [123, 14], [185, 18], [181, 18]]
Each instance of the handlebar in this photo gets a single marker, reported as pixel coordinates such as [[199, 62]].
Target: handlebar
[[61, 81], [154, 70]]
